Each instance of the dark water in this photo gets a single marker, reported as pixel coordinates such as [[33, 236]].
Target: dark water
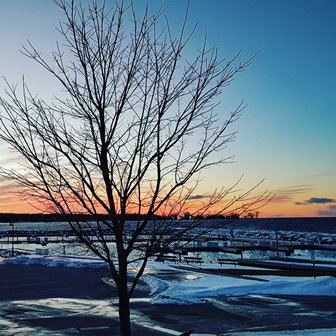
[[314, 224], [323, 225]]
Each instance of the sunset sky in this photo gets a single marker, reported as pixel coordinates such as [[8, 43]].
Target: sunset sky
[[287, 132]]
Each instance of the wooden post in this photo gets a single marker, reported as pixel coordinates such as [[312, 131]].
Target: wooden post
[[12, 230], [277, 240]]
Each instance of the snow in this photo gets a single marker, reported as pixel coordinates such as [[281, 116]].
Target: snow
[[305, 332], [192, 286], [197, 290], [54, 261], [156, 285]]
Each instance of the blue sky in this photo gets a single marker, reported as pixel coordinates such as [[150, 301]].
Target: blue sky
[[286, 134]]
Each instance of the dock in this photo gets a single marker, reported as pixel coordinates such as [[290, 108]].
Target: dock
[[280, 254]]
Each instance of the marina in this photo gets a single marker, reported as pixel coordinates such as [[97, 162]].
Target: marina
[[258, 250], [260, 272]]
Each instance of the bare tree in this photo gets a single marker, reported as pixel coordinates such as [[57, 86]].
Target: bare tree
[[132, 132]]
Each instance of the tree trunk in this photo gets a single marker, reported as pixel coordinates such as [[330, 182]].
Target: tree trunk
[[124, 304], [124, 315]]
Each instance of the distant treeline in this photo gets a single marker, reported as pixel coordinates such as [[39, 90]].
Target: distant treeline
[[10, 217]]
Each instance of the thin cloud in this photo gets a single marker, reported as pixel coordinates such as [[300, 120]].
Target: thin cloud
[[296, 189], [286, 194], [329, 212], [12, 159], [317, 200], [7, 188], [328, 174], [196, 197], [281, 199]]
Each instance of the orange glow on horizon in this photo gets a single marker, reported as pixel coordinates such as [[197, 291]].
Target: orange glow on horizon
[[11, 203]]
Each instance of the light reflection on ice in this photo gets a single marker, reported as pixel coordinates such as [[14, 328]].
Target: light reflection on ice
[[67, 306], [280, 301], [11, 328], [50, 308], [192, 276]]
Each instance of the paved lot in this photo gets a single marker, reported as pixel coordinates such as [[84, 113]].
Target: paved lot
[[35, 282], [40, 300]]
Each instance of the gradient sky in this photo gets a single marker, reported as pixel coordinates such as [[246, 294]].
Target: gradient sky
[[287, 133]]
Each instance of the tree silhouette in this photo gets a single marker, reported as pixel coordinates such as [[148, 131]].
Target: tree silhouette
[[132, 131]]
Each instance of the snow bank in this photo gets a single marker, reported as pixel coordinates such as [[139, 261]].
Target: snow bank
[[207, 286], [156, 285], [54, 261]]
